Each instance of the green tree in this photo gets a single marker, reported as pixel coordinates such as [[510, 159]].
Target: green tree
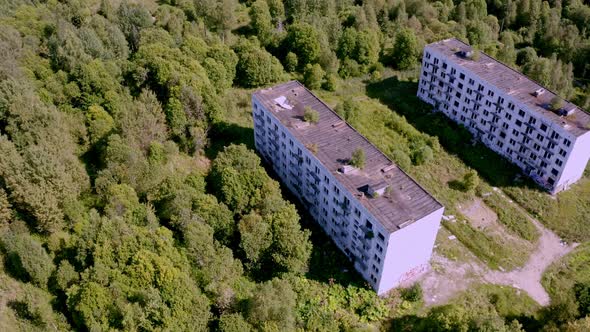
[[303, 40], [5, 208], [330, 82], [255, 237], [291, 62], [405, 49], [422, 154], [256, 66], [99, 123], [349, 109], [26, 258], [233, 323], [312, 76], [261, 20], [272, 306], [132, 18]]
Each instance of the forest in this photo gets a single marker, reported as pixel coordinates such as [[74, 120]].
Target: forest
[[130, 201]]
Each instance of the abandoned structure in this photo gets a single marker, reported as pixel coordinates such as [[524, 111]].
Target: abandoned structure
[[547, 137], [375, 213]]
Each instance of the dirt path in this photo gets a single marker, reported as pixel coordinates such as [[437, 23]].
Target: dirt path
[[447, 277]]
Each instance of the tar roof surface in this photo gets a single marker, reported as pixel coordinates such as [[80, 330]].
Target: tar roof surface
[[515, 84], [405, 201]]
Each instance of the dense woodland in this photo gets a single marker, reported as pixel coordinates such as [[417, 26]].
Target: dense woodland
[[123, 208]]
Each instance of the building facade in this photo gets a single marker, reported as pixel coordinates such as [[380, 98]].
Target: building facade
[[508, 112], [377, 215]]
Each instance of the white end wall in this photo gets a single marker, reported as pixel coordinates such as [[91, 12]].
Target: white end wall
[[407, 249], [576, 162]]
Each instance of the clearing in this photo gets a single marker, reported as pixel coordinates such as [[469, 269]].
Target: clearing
[[448, 276]]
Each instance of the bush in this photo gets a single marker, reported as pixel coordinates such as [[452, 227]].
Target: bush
[[413, 293], [330, 82], [402, 159], [310, 115], [556, 103], [358, 158], [470, 180], [349, 68], [422, 155]]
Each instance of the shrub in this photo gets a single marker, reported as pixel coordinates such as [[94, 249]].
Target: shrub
[[330, 82], [422, 155], [413, 293], [556, 103], [402, 159], [358, 158], [310, 115], [470, 180]]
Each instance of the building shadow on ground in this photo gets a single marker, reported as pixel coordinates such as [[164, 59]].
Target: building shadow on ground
[[400, 97]]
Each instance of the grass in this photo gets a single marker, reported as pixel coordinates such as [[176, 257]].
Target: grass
[[559, 279], [510, 216], [451, 249], [566, 214], [496, 251]]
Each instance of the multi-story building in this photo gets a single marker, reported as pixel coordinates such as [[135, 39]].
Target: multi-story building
[[508, 112], [377, 215]]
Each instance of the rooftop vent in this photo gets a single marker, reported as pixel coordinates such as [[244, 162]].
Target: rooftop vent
[[566, 112], [346, 169], [387, 168], [466, 54], [378, 188], [338, 124], [282, 101], [538, 92]]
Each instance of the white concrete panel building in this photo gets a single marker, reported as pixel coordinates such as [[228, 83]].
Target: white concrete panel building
[[378, 216], [508, 112]]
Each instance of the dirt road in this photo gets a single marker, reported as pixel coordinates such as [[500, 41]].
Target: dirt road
[[447, 278]]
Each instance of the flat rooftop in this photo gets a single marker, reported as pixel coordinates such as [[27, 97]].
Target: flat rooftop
[[514, 84], [403, 203]]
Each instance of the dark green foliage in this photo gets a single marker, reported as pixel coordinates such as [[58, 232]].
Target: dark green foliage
[[261, 20], [303, 40], [256, 66], [5, 208], [330, 82], [291, 62], [405, 50], [312, 76], [26, 259], [108, 109], [412, 293]]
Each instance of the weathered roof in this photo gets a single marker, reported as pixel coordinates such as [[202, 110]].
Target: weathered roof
[[405, 201], [515, 84]]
